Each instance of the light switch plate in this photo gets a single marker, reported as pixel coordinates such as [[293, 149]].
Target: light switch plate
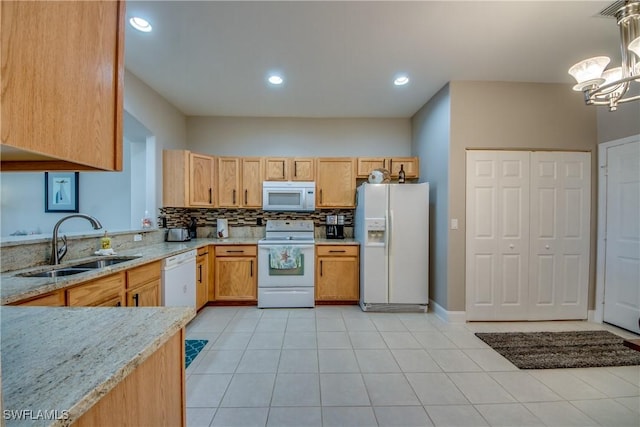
[[137, 237], [454, 223]]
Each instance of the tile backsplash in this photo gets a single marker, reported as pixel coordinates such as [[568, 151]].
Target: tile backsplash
[[181, 217]]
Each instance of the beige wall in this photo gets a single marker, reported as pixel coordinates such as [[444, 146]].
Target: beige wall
[[514, 116], [431, 140], [275, 136], [618, 124]]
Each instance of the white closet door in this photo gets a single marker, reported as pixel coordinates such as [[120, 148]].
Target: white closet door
[[497, 236], [622, 258], [560, 228]]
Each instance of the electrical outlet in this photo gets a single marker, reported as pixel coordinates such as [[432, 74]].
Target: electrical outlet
[[137, 237]]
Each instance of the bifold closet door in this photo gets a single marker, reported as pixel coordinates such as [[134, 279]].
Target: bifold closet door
[[527, 235], [497, 221], [560, 235]]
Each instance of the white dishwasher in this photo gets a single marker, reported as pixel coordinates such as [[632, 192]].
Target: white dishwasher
[[179, 280]]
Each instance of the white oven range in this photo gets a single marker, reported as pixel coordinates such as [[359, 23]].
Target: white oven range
[[286, 265]]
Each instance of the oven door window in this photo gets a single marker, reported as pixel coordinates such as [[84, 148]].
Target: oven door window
[[286, 261]]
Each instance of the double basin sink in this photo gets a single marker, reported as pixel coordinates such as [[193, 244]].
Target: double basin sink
[[81, 267]]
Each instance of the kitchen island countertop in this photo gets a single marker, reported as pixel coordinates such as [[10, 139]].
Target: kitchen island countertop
[[64, 360]]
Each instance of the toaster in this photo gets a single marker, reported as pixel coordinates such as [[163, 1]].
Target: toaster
[[177, 235]]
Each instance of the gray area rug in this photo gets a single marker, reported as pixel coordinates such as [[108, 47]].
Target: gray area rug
[[550, 350]]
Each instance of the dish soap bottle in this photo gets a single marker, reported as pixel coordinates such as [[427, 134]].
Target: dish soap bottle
[[401, 175], [105, 242]]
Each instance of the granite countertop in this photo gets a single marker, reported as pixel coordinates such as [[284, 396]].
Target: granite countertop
[[16, 288], [66, 359], [347, 241]]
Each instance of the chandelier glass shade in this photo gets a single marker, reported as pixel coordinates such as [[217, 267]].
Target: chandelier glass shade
[[611, 87]]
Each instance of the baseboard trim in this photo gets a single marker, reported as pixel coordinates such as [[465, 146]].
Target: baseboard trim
[[448, 316]]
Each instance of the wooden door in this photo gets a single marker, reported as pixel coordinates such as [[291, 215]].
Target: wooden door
[[302, 169], [337, 278], [201, 179], [497, 235], [228, 182], [147, 295], [202, 279], [366, 164], [336, 182], [276, 169], [560, 235], [409, 165], [252, 173], [622, 244], [236, 278]]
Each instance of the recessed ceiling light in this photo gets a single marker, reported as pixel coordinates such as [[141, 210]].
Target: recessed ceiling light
[[275, 79], [401, 80], [140, 24]]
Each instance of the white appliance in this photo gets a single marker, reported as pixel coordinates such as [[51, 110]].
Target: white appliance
[[179, 280], [286, 264], [296, 196], [392, 227]]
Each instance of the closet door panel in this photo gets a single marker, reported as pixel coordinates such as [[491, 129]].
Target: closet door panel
[[560, 186]]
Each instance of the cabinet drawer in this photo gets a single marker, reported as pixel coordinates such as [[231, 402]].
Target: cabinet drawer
[[53, 299], [97, 291], [143, 274], [338, 250], [236, 250], [203, 251]]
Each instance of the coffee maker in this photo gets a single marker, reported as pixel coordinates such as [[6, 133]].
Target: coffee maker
[[335, 226]]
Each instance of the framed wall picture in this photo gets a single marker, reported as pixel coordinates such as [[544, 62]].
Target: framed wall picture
[[61, 191]]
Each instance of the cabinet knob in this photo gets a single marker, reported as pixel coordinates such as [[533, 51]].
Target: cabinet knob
[[546, 246], [511, 246]]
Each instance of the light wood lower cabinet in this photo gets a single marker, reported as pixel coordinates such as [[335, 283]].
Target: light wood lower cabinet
[[337, 273], [106, 290], [143, 285], [52, 299], [152, 395], [202, 277], [236, 273]]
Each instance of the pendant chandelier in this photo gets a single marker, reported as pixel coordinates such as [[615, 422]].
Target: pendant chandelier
[[609, 87]]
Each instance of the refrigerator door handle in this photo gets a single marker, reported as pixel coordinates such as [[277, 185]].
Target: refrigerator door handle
[[389, 256]]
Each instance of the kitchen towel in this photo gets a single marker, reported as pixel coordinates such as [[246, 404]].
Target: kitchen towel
[[284, 258]]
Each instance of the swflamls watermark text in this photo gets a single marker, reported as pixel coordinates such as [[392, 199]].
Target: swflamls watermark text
[[32, 415]]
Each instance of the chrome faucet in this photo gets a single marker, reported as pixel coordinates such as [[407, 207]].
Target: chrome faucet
[[58, 253]]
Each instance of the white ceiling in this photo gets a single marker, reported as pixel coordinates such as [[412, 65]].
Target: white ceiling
[[211, 58]]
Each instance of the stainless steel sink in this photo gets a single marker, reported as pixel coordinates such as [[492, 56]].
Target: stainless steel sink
[[57, 273], [101, 263]]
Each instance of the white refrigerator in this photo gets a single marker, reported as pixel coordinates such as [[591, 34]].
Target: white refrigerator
[[392, 227]]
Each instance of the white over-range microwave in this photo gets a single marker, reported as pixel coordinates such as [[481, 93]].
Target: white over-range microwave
[[296, 196]]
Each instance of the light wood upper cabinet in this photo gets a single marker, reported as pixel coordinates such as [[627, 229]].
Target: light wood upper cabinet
[[252, 173], [62, 85], [335, 182], [289, 169], [188, 179], [392, 164], [240, 182], [229, 182], [337, 273]]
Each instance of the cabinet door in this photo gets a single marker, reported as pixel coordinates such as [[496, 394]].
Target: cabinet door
[[252, 172], [302, 169], [147, 295], [201, 179], [276, 169], [337, 278], [367, 164], [409, 164], [236, 278], [336, 183], [228, 182], [52, 299], [202, 278], [62, 81], [116, 301]]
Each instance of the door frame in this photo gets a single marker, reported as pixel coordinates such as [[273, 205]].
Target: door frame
[[598, 314]]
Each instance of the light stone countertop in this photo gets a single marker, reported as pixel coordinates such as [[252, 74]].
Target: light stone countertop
[[66, 359], [346, 241], [15, 288]]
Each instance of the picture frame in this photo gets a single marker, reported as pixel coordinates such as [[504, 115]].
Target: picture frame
[[61, 191]]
